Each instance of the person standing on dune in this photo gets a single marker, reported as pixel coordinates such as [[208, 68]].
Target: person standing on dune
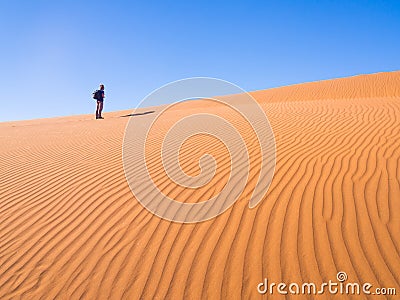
[[99, 96]]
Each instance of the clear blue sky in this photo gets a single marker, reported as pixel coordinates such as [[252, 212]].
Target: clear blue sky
[[53, 54]]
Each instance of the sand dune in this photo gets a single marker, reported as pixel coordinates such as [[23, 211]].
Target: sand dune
[[70, 227]]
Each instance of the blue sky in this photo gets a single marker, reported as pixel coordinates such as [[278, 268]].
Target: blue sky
[[53, 54]]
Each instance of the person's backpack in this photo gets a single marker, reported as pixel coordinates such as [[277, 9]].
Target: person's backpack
[[96, 95]]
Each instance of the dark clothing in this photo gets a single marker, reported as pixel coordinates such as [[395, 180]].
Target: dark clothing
[[98, 95], [101, 95], [100, 99]]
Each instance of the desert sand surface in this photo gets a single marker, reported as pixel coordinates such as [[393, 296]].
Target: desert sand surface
[[70, 227]]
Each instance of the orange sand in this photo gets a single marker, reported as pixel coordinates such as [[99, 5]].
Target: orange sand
[[70, 227]]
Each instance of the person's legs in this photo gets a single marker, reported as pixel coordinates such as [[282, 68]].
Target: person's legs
[[99, 109]]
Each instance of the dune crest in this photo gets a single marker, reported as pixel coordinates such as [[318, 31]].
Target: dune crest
[[386, 84], [70, 227]]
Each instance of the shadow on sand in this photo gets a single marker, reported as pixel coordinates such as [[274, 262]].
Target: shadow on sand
[[139, 114]]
